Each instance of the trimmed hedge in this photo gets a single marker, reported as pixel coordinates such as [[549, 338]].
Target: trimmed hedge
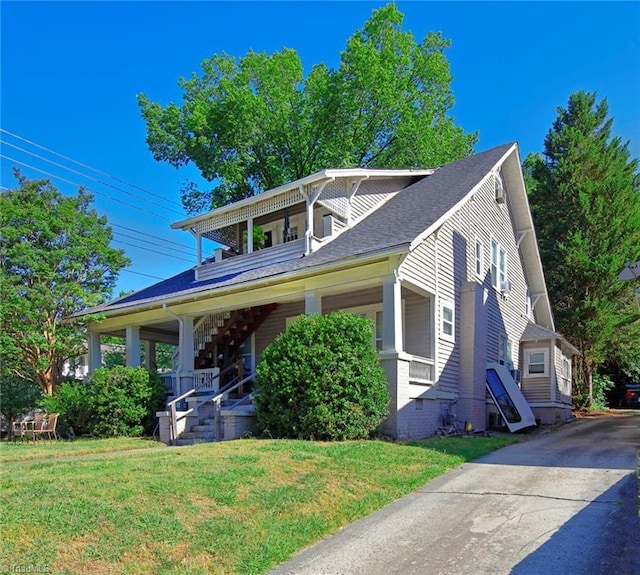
[[321, 379]]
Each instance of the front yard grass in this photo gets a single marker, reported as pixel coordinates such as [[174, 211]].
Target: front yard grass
[[43, 449], [234, 507]]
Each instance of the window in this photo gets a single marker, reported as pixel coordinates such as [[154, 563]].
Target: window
[[505, 351], [374, 313], [447, 317], [479, 258], [537, 363], [527, 304], [498, 265], [378, 325], [327, 225], [566, 368]]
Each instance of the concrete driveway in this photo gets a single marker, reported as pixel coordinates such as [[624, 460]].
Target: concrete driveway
[[563, 502]]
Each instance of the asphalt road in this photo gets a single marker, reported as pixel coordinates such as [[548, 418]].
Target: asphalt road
[[563, 502]]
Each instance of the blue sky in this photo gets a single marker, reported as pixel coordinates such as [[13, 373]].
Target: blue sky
[[70, 73]]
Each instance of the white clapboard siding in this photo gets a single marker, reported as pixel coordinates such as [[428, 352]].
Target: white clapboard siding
[[454, 250]]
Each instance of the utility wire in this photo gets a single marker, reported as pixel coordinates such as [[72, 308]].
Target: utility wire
[[152, 243], [80, 185], [193, 251], [88, 176], [153, 251], [90, 167], [141, 274], [107, 196]]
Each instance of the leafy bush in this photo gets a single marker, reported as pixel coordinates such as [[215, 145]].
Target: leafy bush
[[120, 398], [72, 400], [157, 402], [17, 395], [321, 379]]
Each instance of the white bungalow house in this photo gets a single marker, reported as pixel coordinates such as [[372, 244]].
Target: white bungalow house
[[444, 261]]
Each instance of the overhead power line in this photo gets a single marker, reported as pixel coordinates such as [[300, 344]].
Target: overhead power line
[[87, 176], [159, 238], [152, 251], [152, 243], [89, 167], [142, 274], [135, 207]]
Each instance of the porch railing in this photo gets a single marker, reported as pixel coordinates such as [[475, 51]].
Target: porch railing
[[215, 398]]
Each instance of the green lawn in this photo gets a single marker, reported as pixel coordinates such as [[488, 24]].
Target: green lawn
[[234, 507]]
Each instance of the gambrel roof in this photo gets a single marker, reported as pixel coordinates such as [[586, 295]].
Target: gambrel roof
[[394, 228]]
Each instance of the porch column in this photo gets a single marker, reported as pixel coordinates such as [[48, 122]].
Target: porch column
[[133, 346], [95, 352], [150, 354], [309, 231], [312, 302], [391, 314], [186, 345], [250, 235]]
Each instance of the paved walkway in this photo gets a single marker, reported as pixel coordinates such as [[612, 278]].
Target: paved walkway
[[562, 503]]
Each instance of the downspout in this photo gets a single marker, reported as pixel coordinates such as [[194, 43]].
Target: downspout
[[436, 312]]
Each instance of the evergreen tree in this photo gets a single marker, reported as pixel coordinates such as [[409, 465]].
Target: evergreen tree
[[586, 209]]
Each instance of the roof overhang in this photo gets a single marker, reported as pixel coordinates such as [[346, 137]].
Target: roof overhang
[[393, 255]]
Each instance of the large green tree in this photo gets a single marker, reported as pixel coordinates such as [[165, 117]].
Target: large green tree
[[256, 122], [586, 208], [55, 259]]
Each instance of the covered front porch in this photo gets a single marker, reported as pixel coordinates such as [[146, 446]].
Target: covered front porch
[[220, 339]]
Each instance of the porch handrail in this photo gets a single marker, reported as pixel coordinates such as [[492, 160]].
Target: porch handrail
[[173, 415], [205, 327]]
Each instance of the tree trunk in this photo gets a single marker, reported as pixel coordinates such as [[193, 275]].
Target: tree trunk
[[45, 378]]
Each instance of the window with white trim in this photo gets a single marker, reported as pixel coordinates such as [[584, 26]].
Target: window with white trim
[[527, 304], [498, 265], [374, 313], [536, 363], [447, 320], [479, 256], [566, 368], [505, 351]]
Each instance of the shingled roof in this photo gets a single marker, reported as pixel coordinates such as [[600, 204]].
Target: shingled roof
[[390, 228]]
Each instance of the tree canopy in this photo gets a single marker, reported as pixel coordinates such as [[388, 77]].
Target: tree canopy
[[253, 123], [586, 207], [55, 260]]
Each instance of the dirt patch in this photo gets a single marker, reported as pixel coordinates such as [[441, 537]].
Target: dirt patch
[[595, 414]]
